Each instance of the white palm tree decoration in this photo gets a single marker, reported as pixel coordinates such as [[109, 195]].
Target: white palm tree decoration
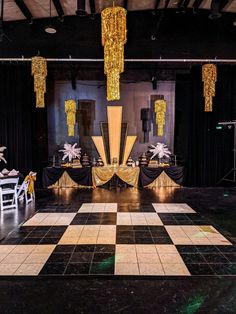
[[1, 154], [160, 150], [70, 152]]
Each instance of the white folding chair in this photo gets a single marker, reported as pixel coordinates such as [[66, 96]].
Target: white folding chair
[[8, 193]]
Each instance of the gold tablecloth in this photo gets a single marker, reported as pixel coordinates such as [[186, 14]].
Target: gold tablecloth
[[101, 175]]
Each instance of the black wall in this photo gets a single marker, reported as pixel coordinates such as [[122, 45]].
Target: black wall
[[23, 129], [207, 152]]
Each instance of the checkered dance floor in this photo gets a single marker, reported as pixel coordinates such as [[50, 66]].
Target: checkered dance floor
[[117, 239]]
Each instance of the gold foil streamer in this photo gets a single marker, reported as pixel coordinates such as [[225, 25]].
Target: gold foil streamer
[[39, 71], [113, 39], [209, 77], [160, 110], [70, 110]]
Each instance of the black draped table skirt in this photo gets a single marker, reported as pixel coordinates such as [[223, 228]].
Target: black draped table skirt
[[82, 176], [148, 175]]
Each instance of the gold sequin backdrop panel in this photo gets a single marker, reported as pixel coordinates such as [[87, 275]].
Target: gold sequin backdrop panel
[[114, 115]]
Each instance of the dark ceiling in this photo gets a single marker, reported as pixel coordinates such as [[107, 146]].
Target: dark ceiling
[[166, 33], [189, 35]]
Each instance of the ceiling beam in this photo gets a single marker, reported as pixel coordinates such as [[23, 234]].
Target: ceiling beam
[[197, 4], [92, 6], [24, 9], [58, 7], [183, 4]]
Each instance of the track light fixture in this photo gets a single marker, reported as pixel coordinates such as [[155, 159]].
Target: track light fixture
[[81, 11], [50, 29]]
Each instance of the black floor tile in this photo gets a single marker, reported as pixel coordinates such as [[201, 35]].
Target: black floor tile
[[54, 234], [207, 249], [226, 248], [85, 248], [77, 269], [37, 234], [11, 241], [230, 257], [192, 258], [29, 240], [64, 249], [187, 249], [105, 248], [144, 240], [125, 240], [81, 257], [224, 269], [42, 228], [102, 268], [53, 269], [162, 240], [213, 258], [103, 257], [59, 258], [200, 269], [46, 240]]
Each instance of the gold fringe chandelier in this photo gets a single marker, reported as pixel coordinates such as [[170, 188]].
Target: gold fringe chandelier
[[160, 110], [39, 71], [209, 77], [113, 39], [70, 110]]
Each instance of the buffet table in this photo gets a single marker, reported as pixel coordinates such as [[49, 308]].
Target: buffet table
[[92, 177]]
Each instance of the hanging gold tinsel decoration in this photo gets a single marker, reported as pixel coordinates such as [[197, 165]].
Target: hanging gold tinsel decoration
[[39, 71], [70, 110], [160, 110], [113, 39], [209, 77]]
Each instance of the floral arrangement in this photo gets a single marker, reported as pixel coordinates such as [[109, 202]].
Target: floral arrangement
[[2, 155], [160, 150], [71, 152]]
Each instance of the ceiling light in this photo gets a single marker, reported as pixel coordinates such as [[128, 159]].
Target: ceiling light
[[234, 23], [50, 29]]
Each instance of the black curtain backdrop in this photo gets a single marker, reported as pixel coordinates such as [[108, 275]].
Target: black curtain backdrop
[[207, 153], [22, 126]]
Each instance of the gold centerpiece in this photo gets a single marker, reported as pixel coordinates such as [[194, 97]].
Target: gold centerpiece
[[209, 77], [70, 110], [160, 110], [39, 71], [113, 39]]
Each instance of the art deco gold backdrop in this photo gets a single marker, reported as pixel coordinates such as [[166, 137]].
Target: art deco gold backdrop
[[160, 110], [113, 39], [70, 110]]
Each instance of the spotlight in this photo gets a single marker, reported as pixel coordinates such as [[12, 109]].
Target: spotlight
[[81, 11], [215, 10]]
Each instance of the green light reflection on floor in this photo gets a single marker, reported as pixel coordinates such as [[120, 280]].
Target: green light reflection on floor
[[106, 263], [193, 306]]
